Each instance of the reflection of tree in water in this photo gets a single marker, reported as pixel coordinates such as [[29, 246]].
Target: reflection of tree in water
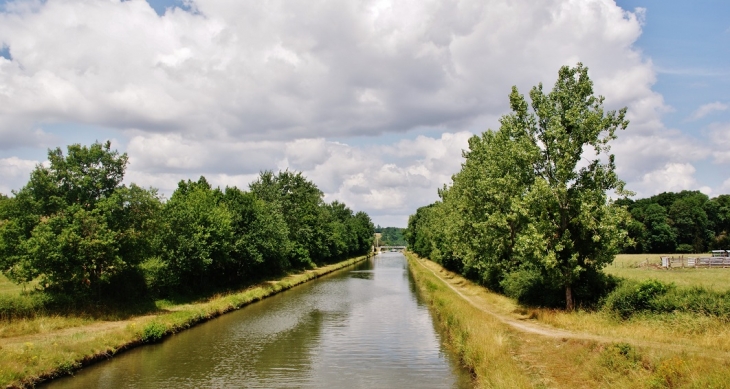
[[364, 275]]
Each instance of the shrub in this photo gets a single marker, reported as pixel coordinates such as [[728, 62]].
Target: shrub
[[153, 332], [620, 357], [631, 297], [685, 248]]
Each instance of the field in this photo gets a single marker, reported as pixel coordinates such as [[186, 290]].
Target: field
[[646, 266]]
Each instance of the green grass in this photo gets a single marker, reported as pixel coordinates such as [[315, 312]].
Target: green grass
[[44, 352], [641, 267], [9, 287]]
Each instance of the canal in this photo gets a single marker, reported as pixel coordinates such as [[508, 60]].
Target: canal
[[361, 327]]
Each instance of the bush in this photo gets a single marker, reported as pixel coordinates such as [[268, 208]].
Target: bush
[[631, 297], [529, 286], [685, 248], [153, 332]]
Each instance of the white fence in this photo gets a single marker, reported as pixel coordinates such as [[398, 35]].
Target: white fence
[[707, 262]]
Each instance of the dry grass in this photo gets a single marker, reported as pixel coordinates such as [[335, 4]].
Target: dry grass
[[648, 351], [24, 360], [644, 266], [485, 345]]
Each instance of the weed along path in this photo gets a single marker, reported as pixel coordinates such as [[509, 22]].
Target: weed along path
[[524, 323], [506, 345]]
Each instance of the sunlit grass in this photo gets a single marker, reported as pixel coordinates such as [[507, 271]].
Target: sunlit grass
[[677, 350], [645, 266]]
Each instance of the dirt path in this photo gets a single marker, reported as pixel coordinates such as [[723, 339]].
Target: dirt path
[[456, 283]]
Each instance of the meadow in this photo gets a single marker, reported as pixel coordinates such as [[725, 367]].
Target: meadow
[[641, 267]]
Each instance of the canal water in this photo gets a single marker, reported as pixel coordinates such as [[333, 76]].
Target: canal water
[[362, 327]]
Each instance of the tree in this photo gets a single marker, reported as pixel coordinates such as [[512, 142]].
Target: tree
[[577, 227], [74, 224], [301, 203], [260, 236], [532, 196], [196, 236]]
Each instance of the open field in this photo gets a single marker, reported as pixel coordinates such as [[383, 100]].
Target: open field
[[8, 287], [32, 350], [557, 349], [645, 266]]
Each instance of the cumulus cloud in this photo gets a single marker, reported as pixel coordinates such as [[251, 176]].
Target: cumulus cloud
[[360, 176], [283, 70], [229, 88], [720, 140], [670, 177], [14, 173], [707, 109]]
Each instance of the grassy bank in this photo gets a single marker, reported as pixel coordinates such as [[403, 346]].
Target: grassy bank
[[46, 347], [484, 344], [517, 346]]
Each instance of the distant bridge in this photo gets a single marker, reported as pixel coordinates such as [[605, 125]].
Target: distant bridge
[[388, 248]]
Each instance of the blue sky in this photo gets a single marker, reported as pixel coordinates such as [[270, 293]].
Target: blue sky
[[373, 100]]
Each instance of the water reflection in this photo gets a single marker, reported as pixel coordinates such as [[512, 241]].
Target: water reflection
[[359, 328]]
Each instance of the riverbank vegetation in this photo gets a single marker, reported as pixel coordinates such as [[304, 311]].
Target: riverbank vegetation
[[528, 214], [529, 217], [507, 344], [78, 240], [79, 249], [52, 346]]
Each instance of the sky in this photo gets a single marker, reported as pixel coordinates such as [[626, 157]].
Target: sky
[[373, 100]]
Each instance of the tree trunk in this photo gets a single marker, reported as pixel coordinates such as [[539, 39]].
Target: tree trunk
[[569, 297]]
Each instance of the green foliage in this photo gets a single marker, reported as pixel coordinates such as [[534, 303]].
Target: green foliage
[[685, 222], [85, 238], [391, 236], [153, 332], [74, 224], [632, 297], [523, 201]]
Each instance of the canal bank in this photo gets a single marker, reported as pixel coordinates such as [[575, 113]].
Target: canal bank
[[29, 360], [366, 326]]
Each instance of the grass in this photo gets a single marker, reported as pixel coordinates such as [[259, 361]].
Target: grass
[[9, 287], [675, 350], [484, 345], [53, 346], [643, 266]]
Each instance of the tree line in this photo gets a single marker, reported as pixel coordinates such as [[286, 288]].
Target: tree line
[[684, 222], [391, 236], [77, 230], [529, 214]]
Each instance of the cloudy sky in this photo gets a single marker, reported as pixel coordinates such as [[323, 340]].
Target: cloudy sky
[[372, 99]]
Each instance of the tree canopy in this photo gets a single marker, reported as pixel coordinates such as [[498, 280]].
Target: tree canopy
[[80, 231], [531, 199]]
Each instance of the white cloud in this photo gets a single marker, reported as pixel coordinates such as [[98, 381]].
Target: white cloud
[[672, 177], [232, 87], [283, 70], [707, 109], [14, 173], [720, 142]]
